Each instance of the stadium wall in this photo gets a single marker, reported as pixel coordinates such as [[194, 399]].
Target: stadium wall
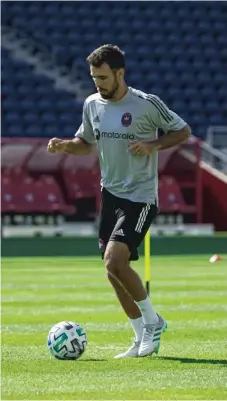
[[214, 198], [80, 246]]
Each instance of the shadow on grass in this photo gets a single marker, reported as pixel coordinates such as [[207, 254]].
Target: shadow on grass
[[92, 360], [193, 360]]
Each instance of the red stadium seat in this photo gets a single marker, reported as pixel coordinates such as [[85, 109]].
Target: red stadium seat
[[22, 194], [81, 175], [80, 184], [18, 186], [7, 195], [170, 197], [15, 173], [49, 196]]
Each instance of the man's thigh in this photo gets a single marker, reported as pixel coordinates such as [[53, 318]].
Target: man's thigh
[[108, 219], [133, 222]]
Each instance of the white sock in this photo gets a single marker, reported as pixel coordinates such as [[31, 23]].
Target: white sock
[[149, 315], [137, 325]]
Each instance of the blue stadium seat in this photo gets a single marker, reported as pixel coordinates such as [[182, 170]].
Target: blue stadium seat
[[198, 118], [179, 58], [49, 117], [33, 131], [12, 117], [216, 119], [15, 130], [221, 93]]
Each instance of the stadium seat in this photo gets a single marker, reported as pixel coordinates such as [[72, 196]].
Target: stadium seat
[[154, 39], [7, 195], [170, 197], [23, 194], [80, 184], [49, 196], [68, 31]]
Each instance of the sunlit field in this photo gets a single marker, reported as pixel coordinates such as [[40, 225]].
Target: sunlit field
[[189, 292]]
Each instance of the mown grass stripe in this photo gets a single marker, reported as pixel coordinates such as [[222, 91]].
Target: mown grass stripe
[[190, 294]]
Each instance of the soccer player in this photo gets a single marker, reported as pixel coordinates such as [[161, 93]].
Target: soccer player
[[123, 123]]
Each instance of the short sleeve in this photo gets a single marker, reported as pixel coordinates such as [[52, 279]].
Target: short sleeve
[[85, 130], [162, 117]]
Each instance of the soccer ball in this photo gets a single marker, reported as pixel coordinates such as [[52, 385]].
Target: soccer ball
[[67, 340]]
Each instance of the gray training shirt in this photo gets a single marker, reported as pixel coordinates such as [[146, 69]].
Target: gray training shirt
[[111, 125]]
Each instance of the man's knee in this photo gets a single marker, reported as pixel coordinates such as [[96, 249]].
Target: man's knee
[[116, 257], [112, 261]]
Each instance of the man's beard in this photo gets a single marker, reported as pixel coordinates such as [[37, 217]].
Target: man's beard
[[110, 95]]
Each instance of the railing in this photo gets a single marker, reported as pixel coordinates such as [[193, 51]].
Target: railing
[[31, 52], [217, 136], [214, 157]]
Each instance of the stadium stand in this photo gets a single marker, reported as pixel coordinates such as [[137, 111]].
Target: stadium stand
[[183, 60]]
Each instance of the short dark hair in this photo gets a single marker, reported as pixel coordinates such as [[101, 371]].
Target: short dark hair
[[109, 54]]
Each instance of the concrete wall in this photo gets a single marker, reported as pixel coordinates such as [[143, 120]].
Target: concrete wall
[[80, 246]]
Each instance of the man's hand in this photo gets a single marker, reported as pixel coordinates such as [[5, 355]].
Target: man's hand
[[56, 145], [171, 138], [75, 146], [140, 148]]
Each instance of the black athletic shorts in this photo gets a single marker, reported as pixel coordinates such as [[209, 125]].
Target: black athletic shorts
[[124, 221]]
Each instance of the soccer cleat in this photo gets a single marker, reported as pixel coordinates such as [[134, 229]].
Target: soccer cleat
[[150, 343], [132, 352]]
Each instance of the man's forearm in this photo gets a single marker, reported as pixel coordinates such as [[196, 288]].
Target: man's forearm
[[173, 138], [77, 146]]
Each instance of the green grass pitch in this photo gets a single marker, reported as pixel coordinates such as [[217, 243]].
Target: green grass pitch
[[189, 292]]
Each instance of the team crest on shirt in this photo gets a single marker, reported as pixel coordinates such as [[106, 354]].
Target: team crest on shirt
[[126, 119]]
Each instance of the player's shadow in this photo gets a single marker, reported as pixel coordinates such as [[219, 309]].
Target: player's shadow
[[222, 362]]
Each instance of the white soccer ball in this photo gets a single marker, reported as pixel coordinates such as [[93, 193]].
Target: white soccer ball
[[67, 340]]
